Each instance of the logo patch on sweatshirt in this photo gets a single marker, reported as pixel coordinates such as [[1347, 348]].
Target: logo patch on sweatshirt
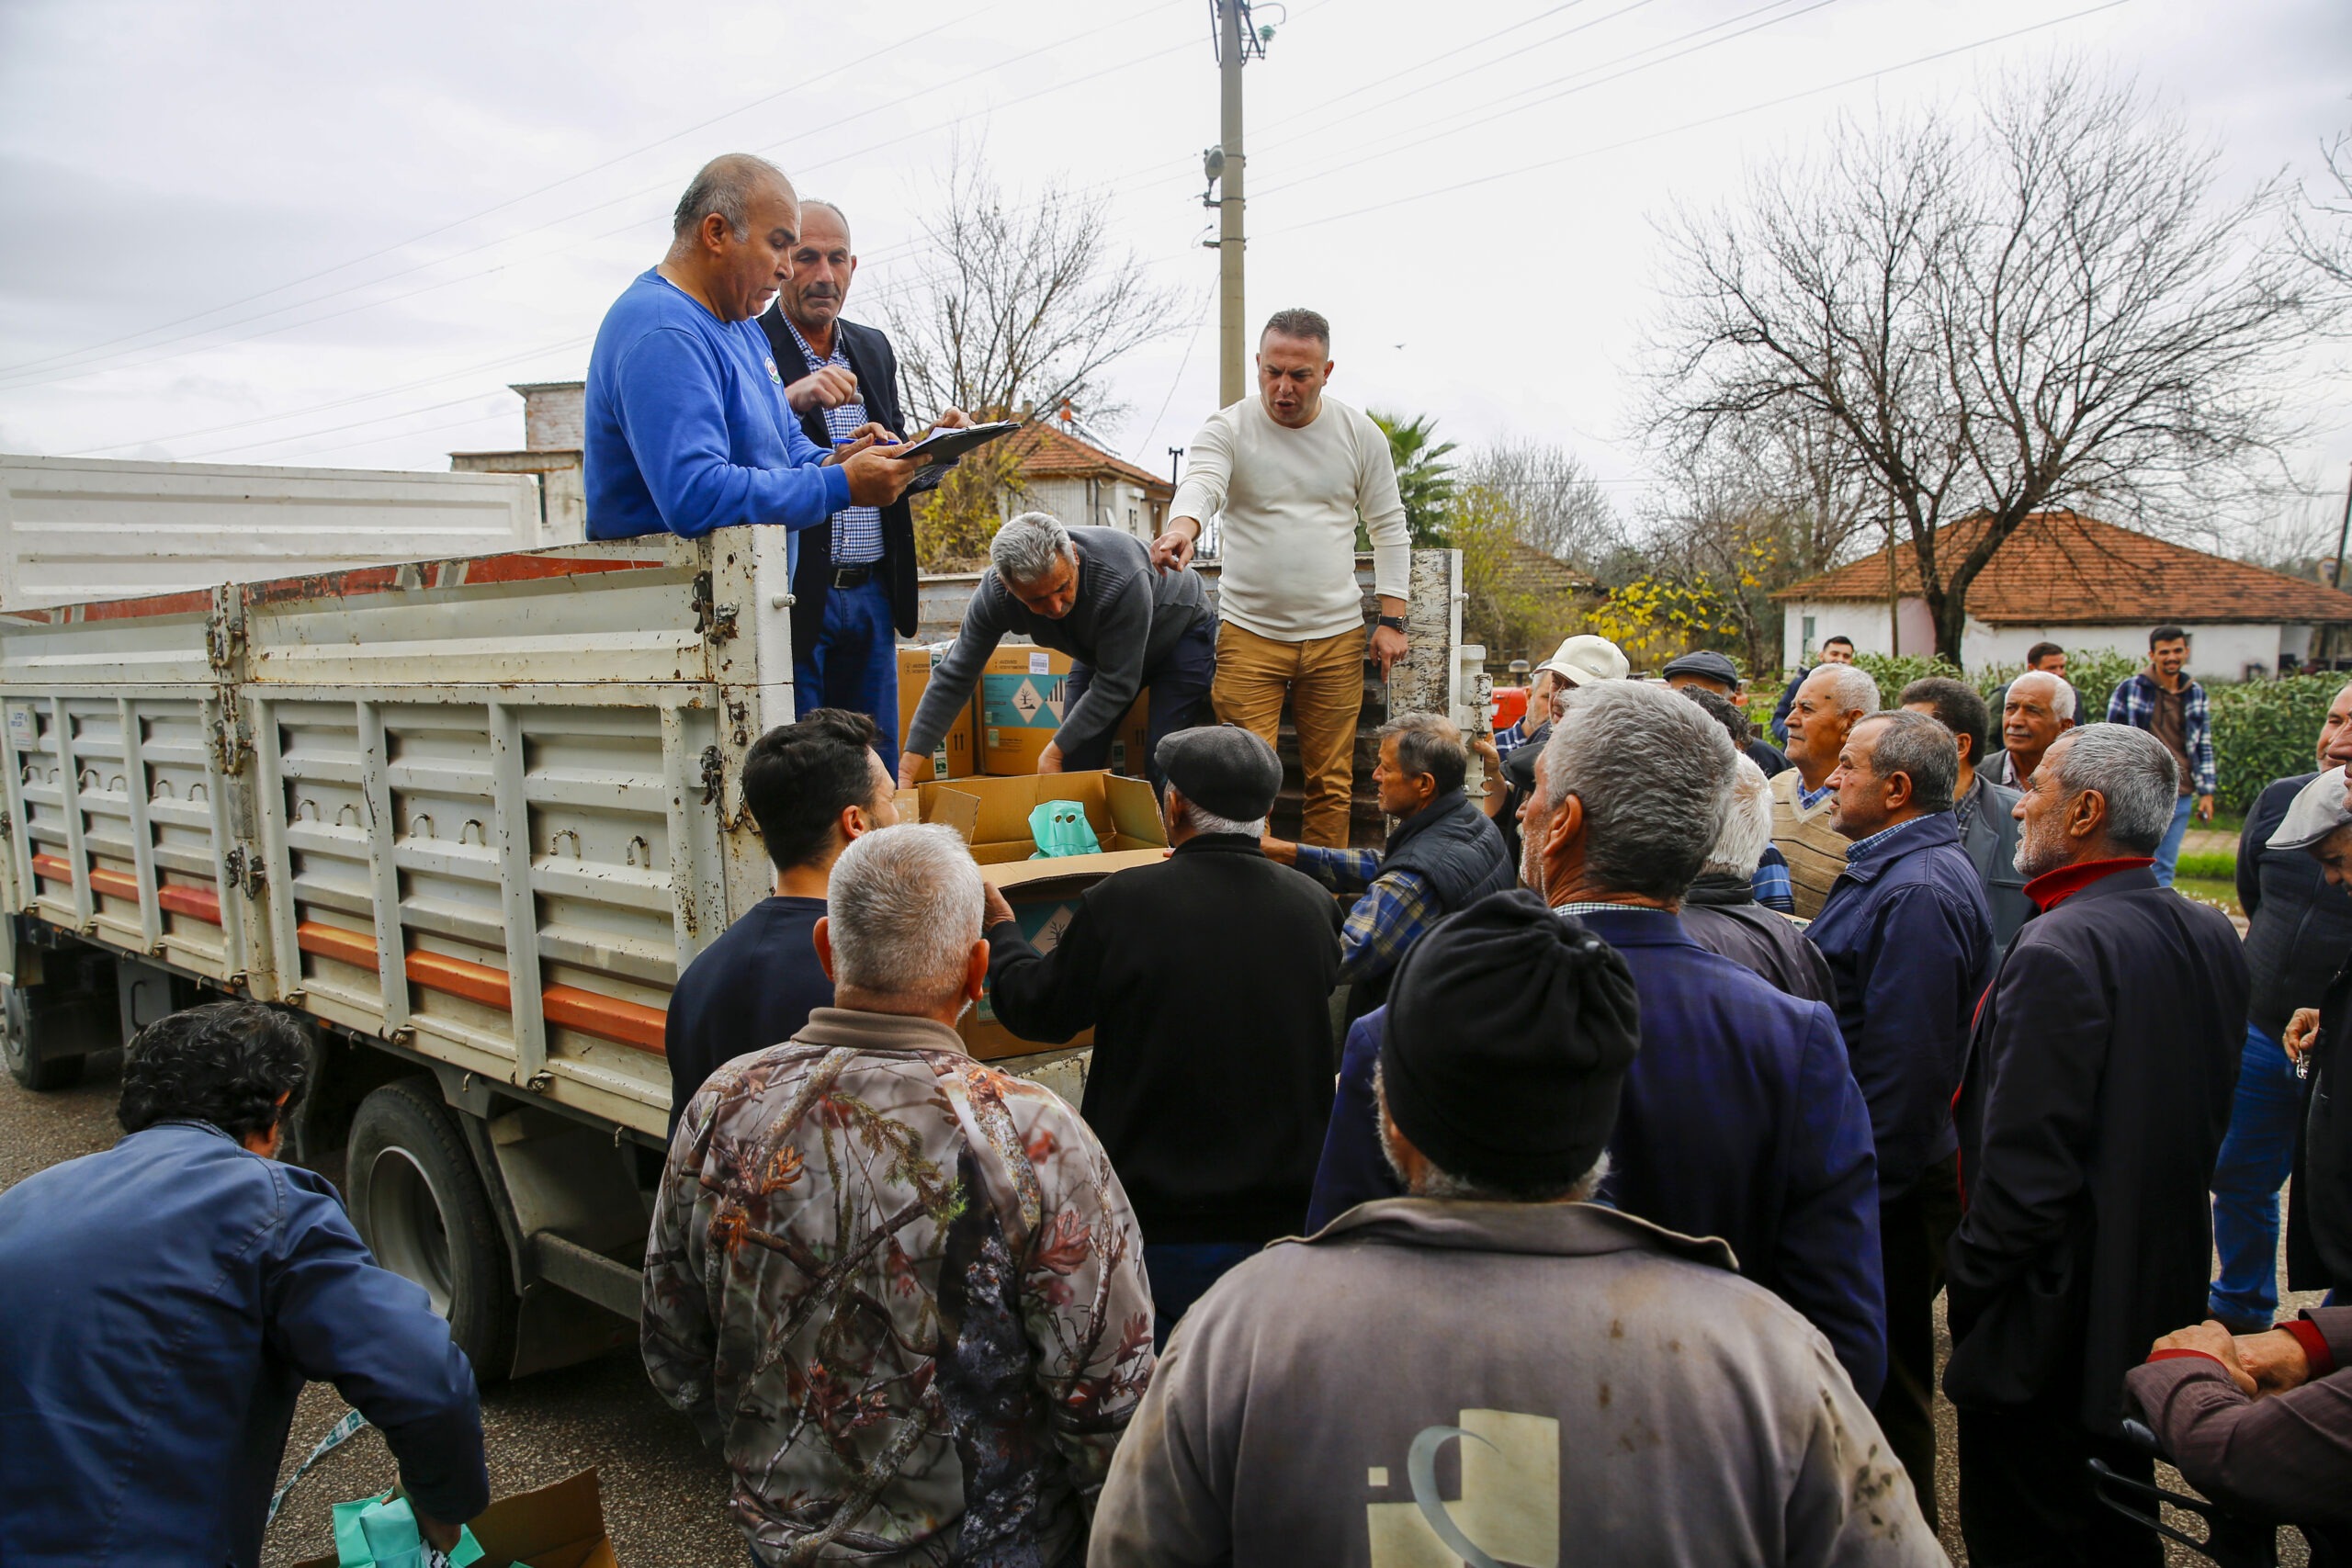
[[773, 374]]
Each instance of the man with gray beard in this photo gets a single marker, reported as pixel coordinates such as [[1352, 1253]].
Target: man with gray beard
[[2092, 1103]]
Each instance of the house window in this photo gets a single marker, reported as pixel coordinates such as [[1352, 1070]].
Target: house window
[[1806, 651]]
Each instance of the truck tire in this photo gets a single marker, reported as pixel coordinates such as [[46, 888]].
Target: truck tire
[[419, 1204], [21, 1042]]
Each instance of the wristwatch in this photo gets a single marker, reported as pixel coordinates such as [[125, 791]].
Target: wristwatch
[[1394, 623]]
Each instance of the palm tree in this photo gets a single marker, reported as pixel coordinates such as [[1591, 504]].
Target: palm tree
[[1424, 480]]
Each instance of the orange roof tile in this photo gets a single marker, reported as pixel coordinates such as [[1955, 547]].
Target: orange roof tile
[[2062, 569], [1049, 454]]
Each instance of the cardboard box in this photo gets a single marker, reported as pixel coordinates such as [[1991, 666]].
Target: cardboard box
[[992, 815], [1023, 699], [560, 1526], [953, 758]]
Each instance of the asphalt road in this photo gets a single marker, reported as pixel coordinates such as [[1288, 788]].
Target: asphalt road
[[664, 1496]]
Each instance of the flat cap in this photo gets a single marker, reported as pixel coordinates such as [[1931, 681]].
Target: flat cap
[[1707, 665], [1222, 769], [2316, 811], [1584, 658]]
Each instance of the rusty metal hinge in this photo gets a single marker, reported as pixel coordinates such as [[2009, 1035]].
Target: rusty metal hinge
[[244, 872]]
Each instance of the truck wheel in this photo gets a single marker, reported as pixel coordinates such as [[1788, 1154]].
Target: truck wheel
[[37, 1070], [419, 1204]]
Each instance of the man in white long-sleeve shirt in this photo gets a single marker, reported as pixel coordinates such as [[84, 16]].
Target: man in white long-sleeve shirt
[[1292, 471]]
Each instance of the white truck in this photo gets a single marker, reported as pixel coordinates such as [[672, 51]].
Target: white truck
[[471, 817]]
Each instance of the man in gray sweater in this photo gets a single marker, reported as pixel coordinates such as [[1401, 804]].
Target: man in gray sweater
[[1091, 593], [1494, 1370]]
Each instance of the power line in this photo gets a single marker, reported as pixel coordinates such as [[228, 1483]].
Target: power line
[[1390, 204], [511, 201], [75, 371], [1487, 114]]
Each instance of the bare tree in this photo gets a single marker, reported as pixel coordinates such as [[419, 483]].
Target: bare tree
[[1025, 304], [2323, 235], [2037, 306], [1558, 505]]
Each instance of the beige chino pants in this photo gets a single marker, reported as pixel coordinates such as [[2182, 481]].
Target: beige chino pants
[[1323, 679]]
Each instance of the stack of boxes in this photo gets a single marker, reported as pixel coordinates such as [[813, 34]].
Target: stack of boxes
[[1022, 700]]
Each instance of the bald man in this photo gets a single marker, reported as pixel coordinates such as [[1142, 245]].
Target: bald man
[[687, 430], [854, 587]]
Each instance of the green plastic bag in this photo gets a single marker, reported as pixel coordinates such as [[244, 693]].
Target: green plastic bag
[[380, 1533], [1060, 828]]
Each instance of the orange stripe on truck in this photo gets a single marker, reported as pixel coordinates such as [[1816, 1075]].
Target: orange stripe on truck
[[202, 903], [589, 1012]]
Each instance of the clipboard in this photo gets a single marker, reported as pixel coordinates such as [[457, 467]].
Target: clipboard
[[941, 449]]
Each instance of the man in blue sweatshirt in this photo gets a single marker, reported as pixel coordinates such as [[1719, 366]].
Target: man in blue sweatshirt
[[687, 425]]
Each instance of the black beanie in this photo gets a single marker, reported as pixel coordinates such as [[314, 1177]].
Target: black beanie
[[1508, 1031]]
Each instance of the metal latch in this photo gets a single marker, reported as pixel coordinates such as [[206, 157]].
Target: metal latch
[[714, 774], [245, 871], [715, 621]]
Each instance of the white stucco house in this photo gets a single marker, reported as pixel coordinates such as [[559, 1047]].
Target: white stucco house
[[1085, 486], [2081, 583]]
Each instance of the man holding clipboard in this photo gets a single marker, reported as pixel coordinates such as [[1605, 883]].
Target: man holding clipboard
[[854, 586]]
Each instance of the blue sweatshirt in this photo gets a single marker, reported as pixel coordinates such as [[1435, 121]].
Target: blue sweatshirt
[[688, 426]]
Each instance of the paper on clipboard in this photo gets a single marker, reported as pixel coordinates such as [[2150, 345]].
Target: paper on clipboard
[[942, 448]]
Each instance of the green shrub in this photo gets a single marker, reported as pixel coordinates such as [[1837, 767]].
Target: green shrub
[[2265, 730], [2094, 675], [1895, 673]]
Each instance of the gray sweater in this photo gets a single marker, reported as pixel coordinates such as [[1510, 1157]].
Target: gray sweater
[[1127, 617], [1556, 1383]]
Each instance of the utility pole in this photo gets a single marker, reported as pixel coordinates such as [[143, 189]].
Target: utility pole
[[1236, 40], [2341, 535]]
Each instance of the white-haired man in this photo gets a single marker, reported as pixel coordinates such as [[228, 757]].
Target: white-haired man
[[1829, 702], [1721, 913], [900, 1291], [2036, 709], [1209, 1190], [687, 429], [2096, 1094], [1091, 593]]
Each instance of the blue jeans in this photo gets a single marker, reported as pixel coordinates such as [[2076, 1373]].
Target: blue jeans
[[1179, 686], [2168, 853], [1181, 1273], [2246, 1177], [856, 664]]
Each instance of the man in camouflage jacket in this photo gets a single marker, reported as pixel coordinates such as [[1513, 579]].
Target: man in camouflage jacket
[[902, 1290]]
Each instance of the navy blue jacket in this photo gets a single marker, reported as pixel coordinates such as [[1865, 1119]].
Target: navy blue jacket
[[1739, 1119], [161, 1305], [752, 988], [2097, 1090], [1908, 936]]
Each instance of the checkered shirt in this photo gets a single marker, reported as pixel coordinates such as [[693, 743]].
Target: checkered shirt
[[857, 530], [1396, 908], [2135, 702]]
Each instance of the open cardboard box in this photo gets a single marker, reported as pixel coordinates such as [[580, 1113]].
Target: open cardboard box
[[991, 815], [561, 1525]]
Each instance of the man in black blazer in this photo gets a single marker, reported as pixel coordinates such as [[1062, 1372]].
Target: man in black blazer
[[854, 588], [2097, 1090]]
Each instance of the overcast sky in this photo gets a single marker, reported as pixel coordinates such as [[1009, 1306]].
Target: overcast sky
[[331, 235]]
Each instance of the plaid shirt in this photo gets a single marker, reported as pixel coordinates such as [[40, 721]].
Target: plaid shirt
[[2135, 702], [857, 530], [1396, 911], [1771, 884], [1510, 739]]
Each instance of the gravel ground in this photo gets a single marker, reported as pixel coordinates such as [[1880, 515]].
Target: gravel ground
[[664, 1496]]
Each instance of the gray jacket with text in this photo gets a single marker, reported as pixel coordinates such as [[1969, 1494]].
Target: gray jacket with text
[[1486, 1383]]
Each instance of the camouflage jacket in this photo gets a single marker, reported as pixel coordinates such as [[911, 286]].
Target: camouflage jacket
[[905, 1294]]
